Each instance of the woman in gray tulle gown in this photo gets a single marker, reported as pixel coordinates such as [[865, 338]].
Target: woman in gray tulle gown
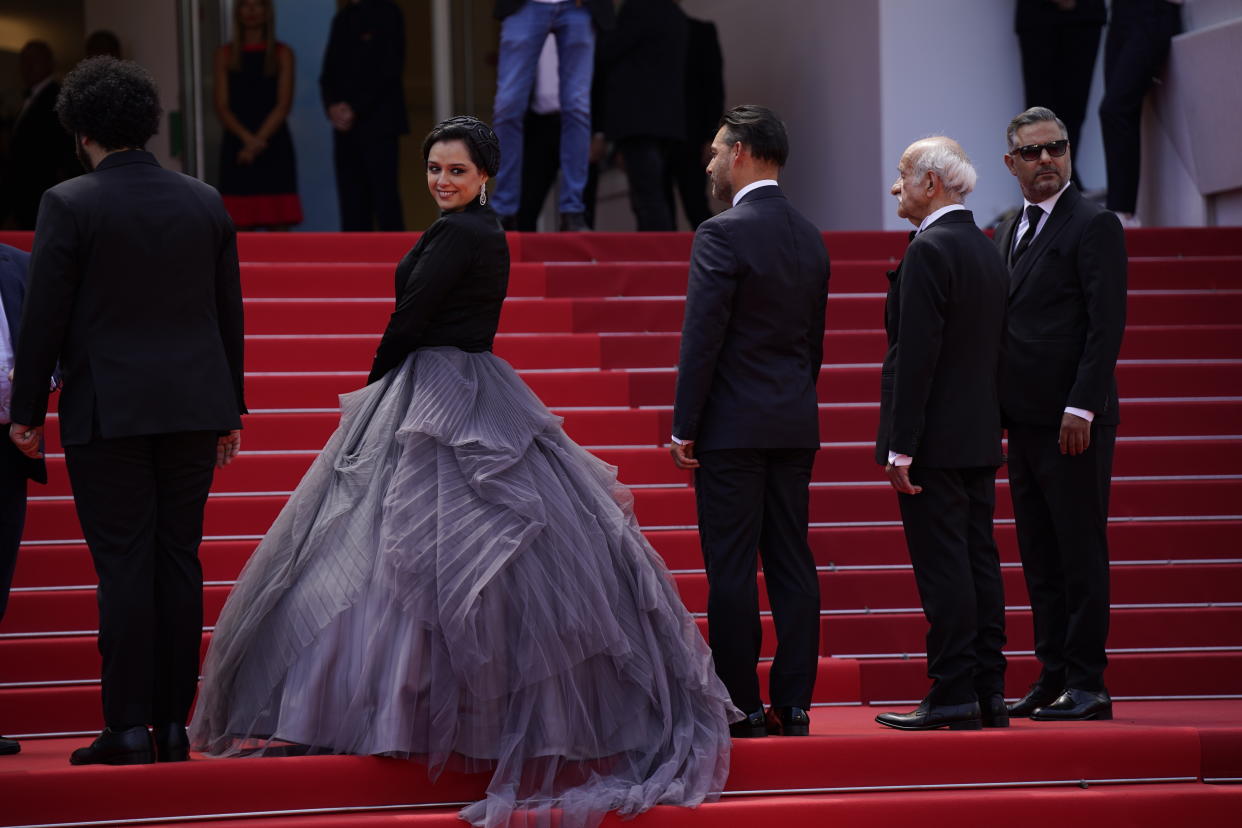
[[456, 581]]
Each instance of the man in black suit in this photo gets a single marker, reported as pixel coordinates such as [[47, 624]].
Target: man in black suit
[[40, 152], [15, 468], [360, 84], [135, 290], [746, 417], [644, 65], [704, 102], [940, 434], [1067, 313]]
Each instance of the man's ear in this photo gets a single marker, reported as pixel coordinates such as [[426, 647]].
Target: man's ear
[[1009, 164]]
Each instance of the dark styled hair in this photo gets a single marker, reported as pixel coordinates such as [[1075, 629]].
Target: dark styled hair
[[1034, 115], [760, 130], [112, 102], [480, 141]]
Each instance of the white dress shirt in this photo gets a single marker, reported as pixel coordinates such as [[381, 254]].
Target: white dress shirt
[[6, 365]]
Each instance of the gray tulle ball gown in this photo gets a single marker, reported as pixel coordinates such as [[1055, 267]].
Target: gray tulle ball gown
[[455, 580]]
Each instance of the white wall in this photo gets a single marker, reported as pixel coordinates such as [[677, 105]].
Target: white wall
[[148, 33]]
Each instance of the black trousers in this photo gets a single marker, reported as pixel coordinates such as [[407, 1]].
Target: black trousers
[[1060, 505], [541, 163], [687, 174], [1057, 64], [13, 483], [140, 501], [366, 180], [646, 169], [1135, 48], [948, 530], [755, 502]]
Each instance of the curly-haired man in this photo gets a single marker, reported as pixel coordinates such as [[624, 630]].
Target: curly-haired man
[[135, 291]]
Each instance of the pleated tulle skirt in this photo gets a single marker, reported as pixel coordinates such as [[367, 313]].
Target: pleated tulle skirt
[[456, 581]]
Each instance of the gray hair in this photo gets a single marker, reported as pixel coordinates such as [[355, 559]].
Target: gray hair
[[947, 159], [1034, 115]]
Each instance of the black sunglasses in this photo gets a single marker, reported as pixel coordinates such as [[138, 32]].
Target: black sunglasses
[[1031, 152]]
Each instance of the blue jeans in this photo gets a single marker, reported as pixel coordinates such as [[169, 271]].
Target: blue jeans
[[521, 40]]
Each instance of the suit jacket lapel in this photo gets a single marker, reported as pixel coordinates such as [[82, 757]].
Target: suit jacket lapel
[[1052, 227]]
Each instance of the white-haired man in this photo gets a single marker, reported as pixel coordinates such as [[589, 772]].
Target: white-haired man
[[940, 434]]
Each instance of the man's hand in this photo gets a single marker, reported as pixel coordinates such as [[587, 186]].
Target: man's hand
[[1075, 434], [683, 455], [27, 439], [899, 477], [227, 448], [341, 115]]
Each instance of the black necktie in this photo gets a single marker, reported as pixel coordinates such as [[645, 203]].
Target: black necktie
[[1033, 215]]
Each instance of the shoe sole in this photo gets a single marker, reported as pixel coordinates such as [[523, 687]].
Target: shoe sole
[[748, 733], [796, 730], [1101, 716], [973, 724], [119, 759], [999, 721]]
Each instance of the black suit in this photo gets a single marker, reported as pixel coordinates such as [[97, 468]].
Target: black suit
[[644, 62], [751, 348], [135, 289], [40, 156], [15, 467], [945, 318], [704, 106], [362, 66], [1067, 310]]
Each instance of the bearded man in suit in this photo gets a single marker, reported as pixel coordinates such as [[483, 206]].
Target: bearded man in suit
[[1067, 314], [135, 291], [746, 417], [940, 434]]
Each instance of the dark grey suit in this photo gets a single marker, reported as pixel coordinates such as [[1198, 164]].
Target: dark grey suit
[[1067, 311], [945, 318], [751, 348], [135, 289]]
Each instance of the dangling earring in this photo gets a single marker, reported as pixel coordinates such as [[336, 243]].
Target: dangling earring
[[483, 194]]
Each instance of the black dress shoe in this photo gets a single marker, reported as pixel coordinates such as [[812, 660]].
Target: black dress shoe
[[9, 746], [932, 716], [788, 721], [1036, 697], [752, 727], [573, 223], [131, 746], [1077, 706], [993, 711], [171, 743]]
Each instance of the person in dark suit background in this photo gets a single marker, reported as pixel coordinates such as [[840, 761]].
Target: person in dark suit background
[[152, 370], [15, 468], [1066, 317], [525, 25], [1059, 41], [746, 417], [363, 96], [40, 152], [644, 66], [940, 434], [704, 103]]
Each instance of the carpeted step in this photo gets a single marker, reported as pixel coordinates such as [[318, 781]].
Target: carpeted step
[[847, 751]]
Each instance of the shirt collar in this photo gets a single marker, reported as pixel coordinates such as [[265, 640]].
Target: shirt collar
[[754, 185], [931, 219]]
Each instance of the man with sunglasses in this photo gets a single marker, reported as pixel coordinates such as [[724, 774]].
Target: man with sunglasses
[[1067, 305]]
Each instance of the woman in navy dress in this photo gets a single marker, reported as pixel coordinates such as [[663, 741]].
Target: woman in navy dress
[[457, 581], [254, 92]]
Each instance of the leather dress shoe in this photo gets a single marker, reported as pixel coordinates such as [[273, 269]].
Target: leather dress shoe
[[131, 746], [1076, 706], [993, 711], [932, 716], [9, 746], [752, 727], [171, 743], [573, 223], [788, 721], [1036, 697]]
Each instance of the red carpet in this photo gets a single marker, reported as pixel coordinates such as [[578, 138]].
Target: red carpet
[[593, 324]]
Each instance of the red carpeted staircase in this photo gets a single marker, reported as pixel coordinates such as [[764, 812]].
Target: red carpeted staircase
[[592, 323]]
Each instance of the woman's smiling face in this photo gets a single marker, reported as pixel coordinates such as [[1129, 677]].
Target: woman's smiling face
[[452, 177]]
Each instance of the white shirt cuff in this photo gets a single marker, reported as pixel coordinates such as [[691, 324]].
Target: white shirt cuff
[[678, 440], [895, 459], [1080, 412]]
